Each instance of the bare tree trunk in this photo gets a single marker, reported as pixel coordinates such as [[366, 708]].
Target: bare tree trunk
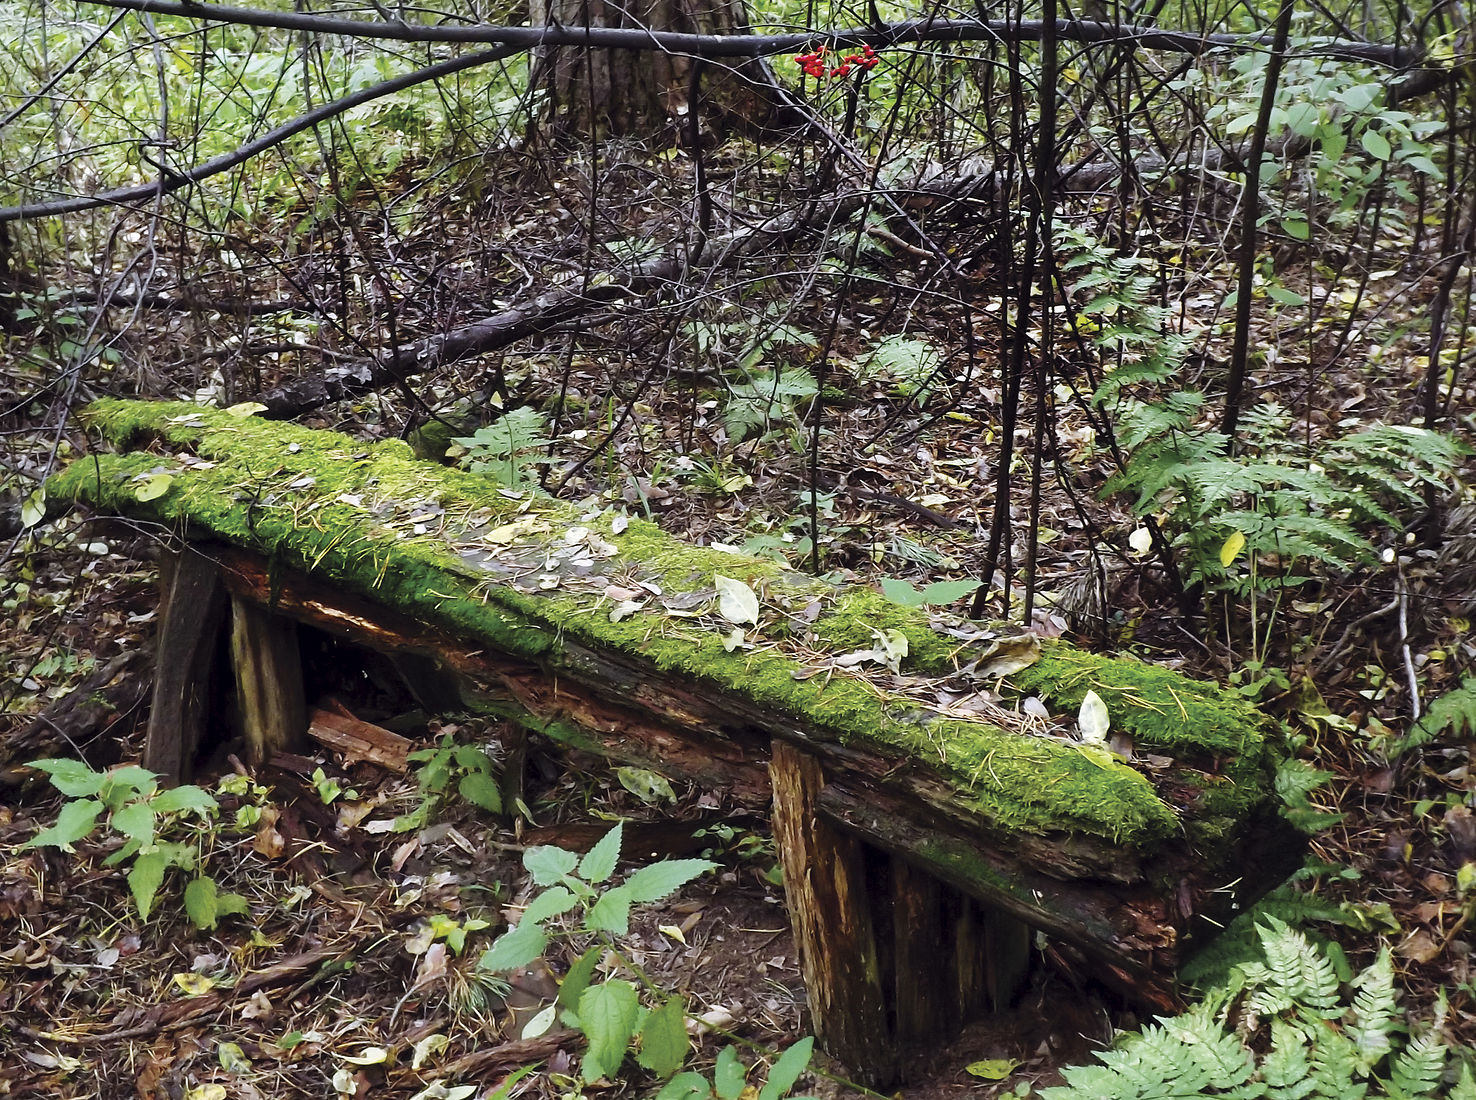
[[645, 94]]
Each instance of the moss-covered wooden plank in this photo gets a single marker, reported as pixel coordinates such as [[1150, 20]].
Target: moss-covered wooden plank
[[589, 621]]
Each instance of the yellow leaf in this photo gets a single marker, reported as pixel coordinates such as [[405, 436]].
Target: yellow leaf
[[992, 1069], [246, 408], [673, 931], [194, 984], [1232, 548]]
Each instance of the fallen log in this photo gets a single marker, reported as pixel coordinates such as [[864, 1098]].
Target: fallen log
[[893, 810]]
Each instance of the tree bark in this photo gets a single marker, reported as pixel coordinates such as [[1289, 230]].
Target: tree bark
[[603, 92]]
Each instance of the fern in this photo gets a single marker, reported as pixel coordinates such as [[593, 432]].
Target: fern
[[1280, 1027], [1453, 713], [502, 449], [764, 398]]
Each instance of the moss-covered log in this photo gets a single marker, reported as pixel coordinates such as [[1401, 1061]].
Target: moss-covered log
[[608, 633]]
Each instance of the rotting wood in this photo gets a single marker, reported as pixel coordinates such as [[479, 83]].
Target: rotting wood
[[269, 688], [192, 610], [359, 740], [825, 884]]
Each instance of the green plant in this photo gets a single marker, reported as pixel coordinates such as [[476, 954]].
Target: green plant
[[765, 398], [616, 1015], [939, 593], [504, 450], [1290, 1024], [469, 767], [911, 363], [142, 815]]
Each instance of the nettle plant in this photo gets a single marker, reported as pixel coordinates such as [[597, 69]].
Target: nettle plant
[[128, 803], [620, 1016]]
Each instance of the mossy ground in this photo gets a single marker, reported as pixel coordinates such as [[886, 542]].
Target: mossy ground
[[517, 571]]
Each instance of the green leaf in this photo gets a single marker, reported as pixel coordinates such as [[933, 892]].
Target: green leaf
[[599, 863], [787, 1069], [515, 948], [729, 1075], [153, 487], [144, 879], [577, 980], [611, 913], [547, 864], [122, 784], [664, 1041], [76, 820], [902, 592], [201, 902], [685, 1086], [1285, 296], [186, 798], [1297, 228], [945, 592], [607, 1015], [135, 821], [656, 881], [1375, 144], [480, 789], [551, 903], [231, 904], [72, 777]]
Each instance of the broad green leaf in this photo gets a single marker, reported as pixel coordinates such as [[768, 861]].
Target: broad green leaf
[[472, 759], [736, 601], [33, 511], [685, 1086], [230, 904], [551, 903], [664, 1040], [577, 980], [645, 785], [1092, 720], [656, 881], [72, 777], [945, 592], [902, 592], [787, 1069], [480, 789], [186, 798], [76, 820], [1375, 144], [505, 1089], [201, 902], [135, 821], [1285, 295], [1297, 228], [729, 1075], [611, 913], [515, 948], [599, 862], [144, 879], [153, 487], [122, 784], [1231, 548], [607, 1014], [548, 865]]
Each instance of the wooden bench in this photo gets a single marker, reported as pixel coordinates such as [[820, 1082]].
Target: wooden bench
[[927, 834]]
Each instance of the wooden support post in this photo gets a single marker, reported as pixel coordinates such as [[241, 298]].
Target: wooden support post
[[192, 607], [927, 1010], [268, 680], [825, 885]]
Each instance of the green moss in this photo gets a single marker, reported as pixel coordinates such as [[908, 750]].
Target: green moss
[[453, 549]]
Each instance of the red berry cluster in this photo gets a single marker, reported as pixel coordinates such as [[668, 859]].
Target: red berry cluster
[[816, 65]]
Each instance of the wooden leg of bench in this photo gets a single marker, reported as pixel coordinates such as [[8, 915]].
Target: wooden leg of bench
[[192, 607], [825, 884], [268, 667], [927, 1010]]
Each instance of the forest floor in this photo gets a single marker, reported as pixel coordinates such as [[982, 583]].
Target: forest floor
[[343, 977]]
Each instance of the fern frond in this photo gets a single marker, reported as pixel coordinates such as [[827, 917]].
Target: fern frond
[[1453, 713], [1296, 974], [1374, 1015], [1287, 1067]]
